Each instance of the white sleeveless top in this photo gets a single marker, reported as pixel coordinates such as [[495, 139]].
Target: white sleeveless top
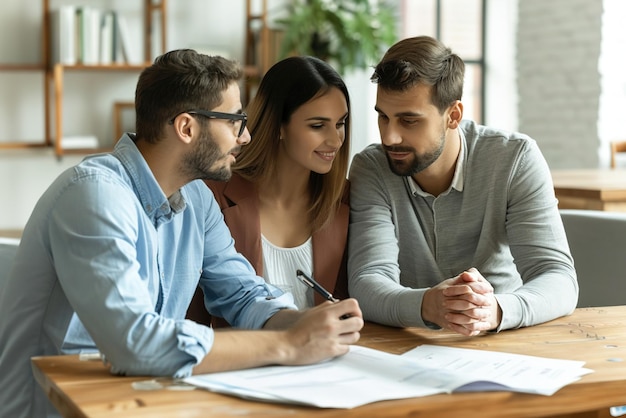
[[280, 265]]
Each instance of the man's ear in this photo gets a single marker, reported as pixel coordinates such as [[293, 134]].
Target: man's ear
[[185, 127], [455, 114]]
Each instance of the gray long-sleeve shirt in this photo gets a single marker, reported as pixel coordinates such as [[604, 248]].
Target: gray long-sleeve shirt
[[500, 215]]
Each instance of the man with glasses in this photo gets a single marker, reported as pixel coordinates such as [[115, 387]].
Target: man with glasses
[[115, 248]]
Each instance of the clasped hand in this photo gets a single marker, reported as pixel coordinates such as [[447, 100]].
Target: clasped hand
[[465, 304]]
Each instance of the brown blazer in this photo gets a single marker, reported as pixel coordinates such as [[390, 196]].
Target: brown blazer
[[239, 202]]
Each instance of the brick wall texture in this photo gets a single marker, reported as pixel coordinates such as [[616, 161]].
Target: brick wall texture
[[558, 81]]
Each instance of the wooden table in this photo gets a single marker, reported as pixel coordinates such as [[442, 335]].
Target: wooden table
[[600, 189], [594, 335]]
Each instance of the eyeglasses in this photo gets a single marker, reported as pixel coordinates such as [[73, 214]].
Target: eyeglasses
[[239, 119]]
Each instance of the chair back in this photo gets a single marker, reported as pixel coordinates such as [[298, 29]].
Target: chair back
[[597, 240], [616, 148], [8, 249]]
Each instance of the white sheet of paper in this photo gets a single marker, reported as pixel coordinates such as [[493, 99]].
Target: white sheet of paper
[[481, 370]]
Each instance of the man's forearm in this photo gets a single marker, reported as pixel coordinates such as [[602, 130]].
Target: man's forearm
[[234, 350]]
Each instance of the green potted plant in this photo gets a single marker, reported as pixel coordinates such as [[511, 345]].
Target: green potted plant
[[349, 34]]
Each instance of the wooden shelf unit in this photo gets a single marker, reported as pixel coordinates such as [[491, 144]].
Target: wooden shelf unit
[[54, 76], [257, 38]]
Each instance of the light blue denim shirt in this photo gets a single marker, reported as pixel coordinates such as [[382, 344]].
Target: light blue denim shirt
[[106, 255]]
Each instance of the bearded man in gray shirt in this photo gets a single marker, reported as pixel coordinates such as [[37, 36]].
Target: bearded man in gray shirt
[[453, 224]]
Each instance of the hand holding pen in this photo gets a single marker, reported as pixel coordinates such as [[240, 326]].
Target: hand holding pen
[[320, 332]]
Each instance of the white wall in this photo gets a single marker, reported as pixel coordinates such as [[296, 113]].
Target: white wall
[[500, 85], [210, 26]]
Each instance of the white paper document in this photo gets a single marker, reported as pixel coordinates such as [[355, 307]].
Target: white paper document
[[480, 370], [366, 375]]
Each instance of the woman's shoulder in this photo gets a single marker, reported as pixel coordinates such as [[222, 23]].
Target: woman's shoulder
[[217, 187]]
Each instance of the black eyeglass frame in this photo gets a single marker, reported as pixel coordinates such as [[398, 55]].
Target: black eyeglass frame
[[243, 117]]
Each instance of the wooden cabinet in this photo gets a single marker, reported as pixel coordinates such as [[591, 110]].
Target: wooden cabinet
[[55, 75]]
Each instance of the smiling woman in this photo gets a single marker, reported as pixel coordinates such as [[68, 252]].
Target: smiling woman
[[287, 202]]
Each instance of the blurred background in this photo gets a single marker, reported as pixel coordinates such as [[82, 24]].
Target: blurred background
[[551, 69]]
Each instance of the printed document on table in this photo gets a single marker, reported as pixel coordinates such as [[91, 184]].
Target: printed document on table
[[366, 375], [480, 370]]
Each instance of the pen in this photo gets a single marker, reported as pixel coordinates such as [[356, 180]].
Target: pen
[[315, 286]]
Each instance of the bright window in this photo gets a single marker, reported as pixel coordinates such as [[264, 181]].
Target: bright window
[[460, 25]]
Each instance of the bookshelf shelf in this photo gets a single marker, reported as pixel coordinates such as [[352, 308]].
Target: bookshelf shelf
[[23, 144], [251, 71], [22, 67], [105, 67]]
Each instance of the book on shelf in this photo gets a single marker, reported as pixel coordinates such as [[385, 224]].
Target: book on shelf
[[88, 35], [63, 35], [126, 48], [107, 29]]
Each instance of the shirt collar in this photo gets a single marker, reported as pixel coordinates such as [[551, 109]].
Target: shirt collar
[[459, 173], [458, 180], [154, 202]]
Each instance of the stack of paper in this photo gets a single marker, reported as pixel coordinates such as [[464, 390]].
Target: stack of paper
[[365, 375], [79, 141]]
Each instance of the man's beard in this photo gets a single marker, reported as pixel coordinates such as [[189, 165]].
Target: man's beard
[[416, 164], [201, 162]]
